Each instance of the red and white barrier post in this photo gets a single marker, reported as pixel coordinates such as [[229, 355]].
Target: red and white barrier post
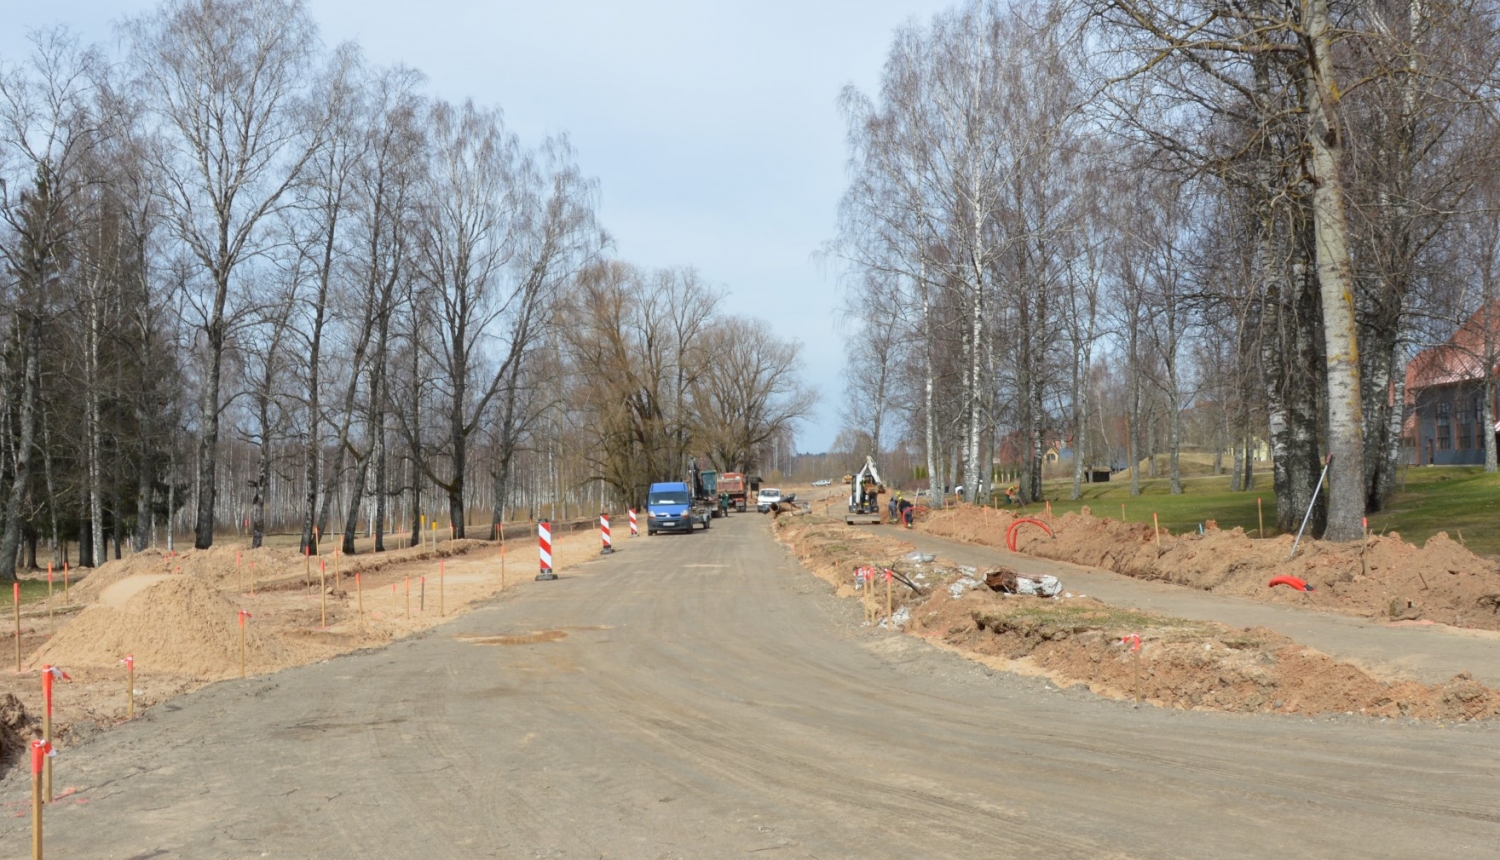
[[635, 530], [608, 547], [544, 540]]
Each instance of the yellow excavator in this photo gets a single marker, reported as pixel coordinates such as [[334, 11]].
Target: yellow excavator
[[865, 489]]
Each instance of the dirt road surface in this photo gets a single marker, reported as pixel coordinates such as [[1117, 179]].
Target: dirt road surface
[[700, 697]]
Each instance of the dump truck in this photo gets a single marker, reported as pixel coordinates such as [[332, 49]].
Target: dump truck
[[732, 484]]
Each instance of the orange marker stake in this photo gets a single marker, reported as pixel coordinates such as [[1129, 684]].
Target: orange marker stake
[[41, 753], [129, 662], [243, 615], [49, 674]]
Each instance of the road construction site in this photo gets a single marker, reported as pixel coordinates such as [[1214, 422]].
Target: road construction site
[[728, 695]]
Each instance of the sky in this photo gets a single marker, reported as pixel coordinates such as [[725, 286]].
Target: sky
[[713, 128]]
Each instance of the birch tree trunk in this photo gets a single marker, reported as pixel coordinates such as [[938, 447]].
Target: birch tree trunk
[[1346, 472]]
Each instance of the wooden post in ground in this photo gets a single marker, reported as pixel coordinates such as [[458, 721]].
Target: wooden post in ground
[[442, 608], [359, 595], [15, 591], [1260, 514], [129, 662], [890, 618], [39, 750], [1156, 529], [51, 621], [243, 616]]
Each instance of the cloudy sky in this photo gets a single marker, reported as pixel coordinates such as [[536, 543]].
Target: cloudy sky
[[712, 127]]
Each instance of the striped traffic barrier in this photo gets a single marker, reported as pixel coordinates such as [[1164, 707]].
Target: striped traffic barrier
[[608, 547], [544, 535], [635, 530]]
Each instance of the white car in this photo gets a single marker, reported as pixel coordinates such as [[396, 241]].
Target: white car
[[767, 497], [823, 483]]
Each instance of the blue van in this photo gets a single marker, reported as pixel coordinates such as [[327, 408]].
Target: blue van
[[669, 508]]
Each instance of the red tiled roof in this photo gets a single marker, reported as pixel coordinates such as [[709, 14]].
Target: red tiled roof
[[1461, 359]]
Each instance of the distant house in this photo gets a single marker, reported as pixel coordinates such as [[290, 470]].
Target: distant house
[[1445, 390]]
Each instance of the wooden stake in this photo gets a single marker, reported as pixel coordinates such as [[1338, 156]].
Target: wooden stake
[[15, 591], [1156, 527], [51, 622], [442, 609], [1137, 674], [47, 734], [239, 570], [36, 805], [307, 567], [129, 687], [422, 595], [1260, 514], [67, 601], [323, 590], [408, 595], [359, 595], [242, 643], [1122, 512], [890, 620], [502, 556]]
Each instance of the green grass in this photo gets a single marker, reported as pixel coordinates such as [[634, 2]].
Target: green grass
[[1430, 499], [32, 590]]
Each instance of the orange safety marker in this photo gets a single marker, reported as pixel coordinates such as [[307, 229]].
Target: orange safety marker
[[41, 752], [129, 662], [49, 674], [243, 615]]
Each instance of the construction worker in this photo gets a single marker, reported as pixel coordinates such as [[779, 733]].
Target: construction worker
[[904, 507], [892, 506]]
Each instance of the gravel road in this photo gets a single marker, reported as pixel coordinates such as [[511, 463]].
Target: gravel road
[[700, 697]]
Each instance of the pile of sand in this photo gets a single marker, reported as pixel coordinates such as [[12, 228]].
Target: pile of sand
[[1183, 664], [1440, 581], [173, 623]]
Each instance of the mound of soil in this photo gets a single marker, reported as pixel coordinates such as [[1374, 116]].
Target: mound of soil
[[1382, 577], [175, 624], [1184, 664], [16, 730]]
